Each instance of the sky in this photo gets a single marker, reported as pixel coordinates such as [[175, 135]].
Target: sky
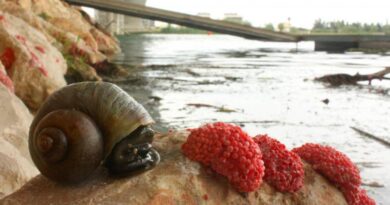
[[302, 13]]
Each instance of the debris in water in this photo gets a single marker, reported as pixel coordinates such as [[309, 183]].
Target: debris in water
[[155, 98], [366, 134], [218, 108], [191, 72], [326, 101], [373, 184], [346, 79]]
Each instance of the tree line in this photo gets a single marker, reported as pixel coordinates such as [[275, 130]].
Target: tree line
[[321, 26]]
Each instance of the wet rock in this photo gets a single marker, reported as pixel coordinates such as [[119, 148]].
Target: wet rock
[[62, 15], [37, 67], [80, 71], [65, 22], [68, 43], [177, 180], [4, 78], [16, 167]]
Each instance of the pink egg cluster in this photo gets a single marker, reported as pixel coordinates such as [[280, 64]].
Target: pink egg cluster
[[229, 151], [246, 161], [338, 169], [283, 169]]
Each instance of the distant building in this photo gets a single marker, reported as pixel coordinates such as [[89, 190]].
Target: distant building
[[285, 26], [120, 24], [204, 14], [233, 17]]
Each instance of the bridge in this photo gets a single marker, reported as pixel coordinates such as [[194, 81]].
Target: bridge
[[331, 42]]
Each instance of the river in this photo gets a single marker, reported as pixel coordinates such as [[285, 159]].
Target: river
[[265, 87]]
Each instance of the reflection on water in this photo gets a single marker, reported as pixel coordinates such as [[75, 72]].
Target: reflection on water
[[188, 80]]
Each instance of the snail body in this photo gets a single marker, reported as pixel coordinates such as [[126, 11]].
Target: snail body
[[83, 125]]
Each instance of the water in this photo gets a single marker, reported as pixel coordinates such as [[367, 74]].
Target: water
[[270, 88]]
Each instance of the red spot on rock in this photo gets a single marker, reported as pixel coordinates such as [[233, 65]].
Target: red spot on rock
[[40, 49], [283, 168], [22, 39], [229, 151], [43, 71], [2, 17], [7, 58], [5, 80], [36, 62], [206, 197], [75, 50]]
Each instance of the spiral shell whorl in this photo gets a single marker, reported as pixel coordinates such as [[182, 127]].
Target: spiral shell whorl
[[52, 144], [66, 146]]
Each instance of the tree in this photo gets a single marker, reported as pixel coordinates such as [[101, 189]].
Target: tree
[[269, 26], [281, 26]]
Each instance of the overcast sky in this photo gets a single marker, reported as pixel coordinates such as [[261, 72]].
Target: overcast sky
[[303, 13]]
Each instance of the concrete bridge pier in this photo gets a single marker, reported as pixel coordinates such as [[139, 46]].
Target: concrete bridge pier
[[341, 46], [374, 45], [334, 46]]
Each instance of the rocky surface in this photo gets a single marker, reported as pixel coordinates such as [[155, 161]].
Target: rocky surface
[[16, 167], [37, 68], [177, 180], [64, 40], [62, 16], [5, 80], [43, 40]]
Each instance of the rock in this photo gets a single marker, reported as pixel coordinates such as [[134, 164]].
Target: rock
[[80, 71], [71, 31], [64, 38], [62, 15], [16, 167], [23, 3], [176, 180], [29, 17], [38, 67], [4, 78]]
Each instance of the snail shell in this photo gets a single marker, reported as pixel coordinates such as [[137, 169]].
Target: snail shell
[[78, 126]]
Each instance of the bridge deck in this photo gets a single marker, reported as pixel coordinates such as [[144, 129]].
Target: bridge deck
[[131, 9], [126, 8]]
